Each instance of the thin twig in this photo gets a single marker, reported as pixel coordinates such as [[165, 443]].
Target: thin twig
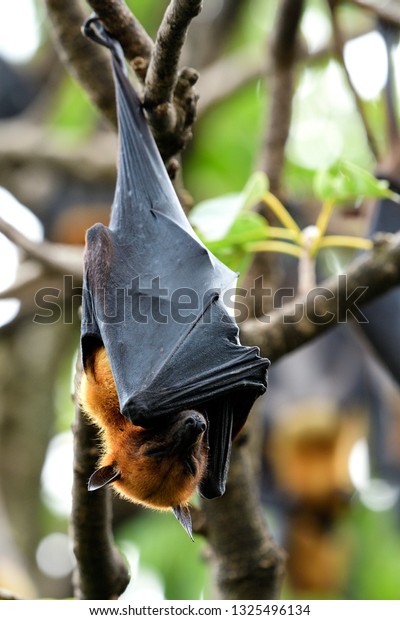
[[284, 49], [58, 257], [339, 46]]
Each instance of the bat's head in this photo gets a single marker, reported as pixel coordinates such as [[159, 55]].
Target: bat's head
[[159, 467]]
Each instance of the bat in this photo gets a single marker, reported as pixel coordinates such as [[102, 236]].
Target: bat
[[165, 378], [382, 326], [382, 315]]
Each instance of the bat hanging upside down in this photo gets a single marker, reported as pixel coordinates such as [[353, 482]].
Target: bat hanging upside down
[[166, 380], [159, 467]]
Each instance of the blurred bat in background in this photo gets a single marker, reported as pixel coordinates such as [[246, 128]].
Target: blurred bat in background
[[383, 314]]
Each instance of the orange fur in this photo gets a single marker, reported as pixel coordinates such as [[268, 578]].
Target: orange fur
[[156, 480]]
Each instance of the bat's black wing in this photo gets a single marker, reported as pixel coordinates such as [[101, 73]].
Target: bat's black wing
[[153, 297]]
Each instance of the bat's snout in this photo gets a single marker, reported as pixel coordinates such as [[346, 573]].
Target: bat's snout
[[195, 422], [192, 426]]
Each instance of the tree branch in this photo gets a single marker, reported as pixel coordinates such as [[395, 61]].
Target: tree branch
[[284, 48], [169, 98], [162, 73], [58, 257], [88, 63], [339, 46], [123, 26], [309, 316], [101, 573], [23, 143], [249, 564]]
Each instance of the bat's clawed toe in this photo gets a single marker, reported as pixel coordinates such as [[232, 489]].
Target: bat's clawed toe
[[184, 517]]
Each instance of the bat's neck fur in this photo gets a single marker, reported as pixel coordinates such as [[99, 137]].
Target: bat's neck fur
[[155, 468]]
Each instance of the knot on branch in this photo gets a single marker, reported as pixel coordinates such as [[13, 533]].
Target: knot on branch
[[172, 121], [140, 66]]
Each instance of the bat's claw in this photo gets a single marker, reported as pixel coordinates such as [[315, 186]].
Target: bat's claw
[[183, 515], [94, 29]]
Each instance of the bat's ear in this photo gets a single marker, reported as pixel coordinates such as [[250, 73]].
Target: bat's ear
[[102, 477], [183, 515]]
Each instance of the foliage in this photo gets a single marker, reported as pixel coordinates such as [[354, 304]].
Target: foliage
[[233, 232]]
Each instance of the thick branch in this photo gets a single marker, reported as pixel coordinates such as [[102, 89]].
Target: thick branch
[[101, 572], [24, 144], [88, 63], [324, 307], [249, 564], [169, 96]]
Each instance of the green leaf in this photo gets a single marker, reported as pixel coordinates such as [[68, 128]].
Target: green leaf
[[254, 189], [226, 226], [214, 218], [248, 226], [346, 181], [232, 248]]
